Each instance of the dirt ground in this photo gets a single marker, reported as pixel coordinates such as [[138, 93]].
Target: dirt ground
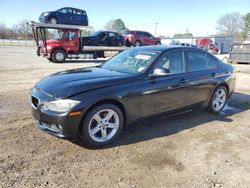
[[196, 149]]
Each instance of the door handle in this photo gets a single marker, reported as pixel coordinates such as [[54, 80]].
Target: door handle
[[184, 81], [214, 74]]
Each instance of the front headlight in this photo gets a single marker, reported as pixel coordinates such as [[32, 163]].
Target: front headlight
[[61, 105], [45, 14], [49, 47]]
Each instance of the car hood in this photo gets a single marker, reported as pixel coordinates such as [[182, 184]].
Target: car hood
[[72, 82]]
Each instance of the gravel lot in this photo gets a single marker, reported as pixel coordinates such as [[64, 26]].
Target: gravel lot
[[196, 149]]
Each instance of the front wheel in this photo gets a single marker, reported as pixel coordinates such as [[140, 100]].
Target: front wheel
[[58, 56], [158, 43], [218, 99], [102, 125], [53, 20]]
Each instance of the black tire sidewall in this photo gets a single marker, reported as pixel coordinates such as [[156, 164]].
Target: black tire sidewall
[[86, 138], [210, 106], [54, 54]]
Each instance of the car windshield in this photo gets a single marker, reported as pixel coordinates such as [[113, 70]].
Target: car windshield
[[128, 33], [175, 43], [95, 33], [133, 61]]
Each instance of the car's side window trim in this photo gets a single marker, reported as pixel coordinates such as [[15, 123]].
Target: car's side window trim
[[187, 60], [207, 55]]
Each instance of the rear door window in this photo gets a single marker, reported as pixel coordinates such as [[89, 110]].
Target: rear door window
[[78, 12], [70, 11], [148, 35], [211, 61], [196, 61]]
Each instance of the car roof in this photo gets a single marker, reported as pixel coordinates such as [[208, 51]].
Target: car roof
[[164, 48], [138, 31], [100, 31], [71, 8]]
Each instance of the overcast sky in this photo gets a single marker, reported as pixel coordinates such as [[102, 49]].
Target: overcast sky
[[173, 16]]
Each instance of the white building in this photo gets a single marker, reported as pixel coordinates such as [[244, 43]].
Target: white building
[[223, 42]]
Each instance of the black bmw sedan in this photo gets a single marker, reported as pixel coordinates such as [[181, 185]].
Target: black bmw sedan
[[96, 103], [103, 38]]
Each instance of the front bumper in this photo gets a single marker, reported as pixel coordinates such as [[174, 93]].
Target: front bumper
[[53, 123], [43, 19]]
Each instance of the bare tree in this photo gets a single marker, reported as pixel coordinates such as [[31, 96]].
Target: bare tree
[[229, 24], [3, 30], [109, 25], [24, 31], [116, 25], [6, 32]]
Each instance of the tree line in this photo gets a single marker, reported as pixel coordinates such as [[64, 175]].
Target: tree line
[[18, 31], [228, 24], [234, 24]]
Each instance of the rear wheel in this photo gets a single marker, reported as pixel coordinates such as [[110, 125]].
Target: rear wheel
[[58, 56], [218, 99], [102, 125], [137, 43], [158, 43], [53, 20]]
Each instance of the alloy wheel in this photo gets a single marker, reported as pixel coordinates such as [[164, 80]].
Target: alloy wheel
[[53, 21], [219, 99], [104, 125], [59, 56]]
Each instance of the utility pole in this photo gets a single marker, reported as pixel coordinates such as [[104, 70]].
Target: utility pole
[[155, 28]]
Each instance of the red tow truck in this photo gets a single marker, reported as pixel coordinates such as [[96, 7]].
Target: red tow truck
[[207, 44], [57, 42]]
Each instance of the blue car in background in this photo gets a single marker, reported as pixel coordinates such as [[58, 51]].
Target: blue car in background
[[66, 15]]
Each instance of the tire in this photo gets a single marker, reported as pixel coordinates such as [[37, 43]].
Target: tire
[[53, 20], [127, 43], [58, 56], [120, 44], [50, 59], [95, 131], [218, 100], [158, 43], [137, 43]]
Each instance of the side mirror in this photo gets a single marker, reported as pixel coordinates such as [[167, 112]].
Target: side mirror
[[159, 72]]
